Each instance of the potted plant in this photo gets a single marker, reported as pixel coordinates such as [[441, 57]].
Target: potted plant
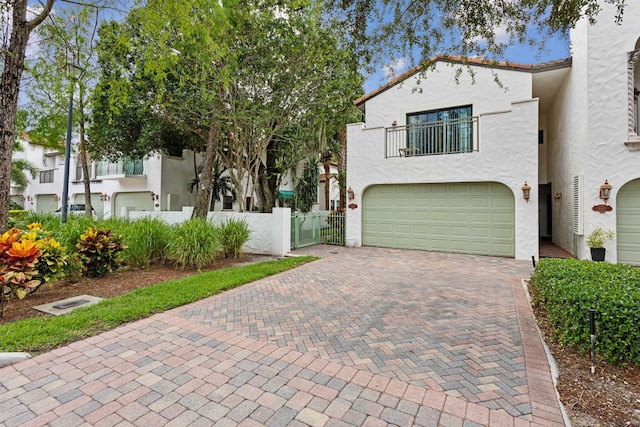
[[596, 241]]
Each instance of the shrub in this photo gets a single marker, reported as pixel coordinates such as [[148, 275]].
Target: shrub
[[146, 241], [99, 251], [27, 260], [233, 234], [52, 262], [194, 243], [568, 288], [70, 232]]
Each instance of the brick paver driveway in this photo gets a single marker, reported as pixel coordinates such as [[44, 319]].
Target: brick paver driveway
[[365, 336]]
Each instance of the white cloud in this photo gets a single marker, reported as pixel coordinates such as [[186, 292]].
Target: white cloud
[[395, 68]]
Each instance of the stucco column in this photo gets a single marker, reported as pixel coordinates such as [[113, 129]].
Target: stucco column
[[281, 228]]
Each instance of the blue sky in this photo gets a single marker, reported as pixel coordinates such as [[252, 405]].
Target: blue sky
[[557, 47]]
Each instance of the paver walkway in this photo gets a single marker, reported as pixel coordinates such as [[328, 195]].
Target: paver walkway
[[365, 336]]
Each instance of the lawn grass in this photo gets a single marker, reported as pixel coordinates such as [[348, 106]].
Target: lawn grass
[[45, 333]]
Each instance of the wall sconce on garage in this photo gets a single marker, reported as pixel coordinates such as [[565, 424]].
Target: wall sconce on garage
[[56, 197], [558, 197], [350, 194], [105, 197], [154, 196], [605, 191], [29, 198], [526, 192]]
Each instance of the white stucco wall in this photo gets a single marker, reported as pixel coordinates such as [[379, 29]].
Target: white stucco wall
[[270, 233], [178, 173], [589, 125], [440, 90], [508, 139]]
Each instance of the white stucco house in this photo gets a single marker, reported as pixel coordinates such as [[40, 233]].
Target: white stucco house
[[157, 183], [443, 167], [154, 184]]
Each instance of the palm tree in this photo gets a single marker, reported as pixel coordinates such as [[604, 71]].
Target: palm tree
[[222, 185], [19, 167], [19, 177]]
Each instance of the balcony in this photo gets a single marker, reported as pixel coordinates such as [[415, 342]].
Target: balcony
[[122, 169], [433, 138]]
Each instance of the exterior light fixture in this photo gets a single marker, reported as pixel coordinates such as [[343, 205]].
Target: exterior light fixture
[[104, 197], [350, 194], [154, 196], [526, 192], [605, 191], [558, 197]]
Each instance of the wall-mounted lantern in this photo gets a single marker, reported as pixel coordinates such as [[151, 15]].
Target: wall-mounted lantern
[[526, 192], [105, 197], [154, 196], [605, 191], [558, 197], [350, 194], [56, 197]]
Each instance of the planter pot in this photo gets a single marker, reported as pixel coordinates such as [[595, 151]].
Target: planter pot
[[598, 254], [350, 243]]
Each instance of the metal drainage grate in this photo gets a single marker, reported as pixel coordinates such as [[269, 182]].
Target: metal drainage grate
[[70, 304]]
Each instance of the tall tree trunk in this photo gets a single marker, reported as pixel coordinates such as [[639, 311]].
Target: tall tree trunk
[[201, 208], [82, 154], [13, 66], [272, 177], [326, 163], [342, 167]]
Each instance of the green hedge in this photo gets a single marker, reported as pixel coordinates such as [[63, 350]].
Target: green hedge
[[568, 288]]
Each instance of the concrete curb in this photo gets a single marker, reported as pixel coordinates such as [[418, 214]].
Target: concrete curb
[[7, 359]]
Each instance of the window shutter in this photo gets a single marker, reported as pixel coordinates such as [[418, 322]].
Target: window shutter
[[578, 215]]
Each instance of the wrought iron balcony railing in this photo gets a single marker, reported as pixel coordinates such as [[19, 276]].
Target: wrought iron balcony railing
[[426, 139]]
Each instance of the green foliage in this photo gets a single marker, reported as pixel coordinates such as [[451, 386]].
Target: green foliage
[[146, 240], [70, 232], [418, 30], [307, 186], [195, 243], [45, 333], [568, 288], [27, 260], [234, 234], [599, 237], [99, 251]]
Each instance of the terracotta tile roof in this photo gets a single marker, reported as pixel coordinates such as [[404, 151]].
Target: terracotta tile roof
[[505, 65]]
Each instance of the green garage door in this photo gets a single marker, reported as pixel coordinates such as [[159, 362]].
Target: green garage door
[[138, 201], [475, 218], [628, 207], [46, 203]]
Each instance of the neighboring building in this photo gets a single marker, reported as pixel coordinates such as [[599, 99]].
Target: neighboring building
[[443, 168], [157, 183]]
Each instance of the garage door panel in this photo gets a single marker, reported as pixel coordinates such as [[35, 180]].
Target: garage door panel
[[456, 217], [628, 227]]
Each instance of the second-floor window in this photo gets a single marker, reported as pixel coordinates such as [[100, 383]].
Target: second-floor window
[[46, 176], [447, 130]]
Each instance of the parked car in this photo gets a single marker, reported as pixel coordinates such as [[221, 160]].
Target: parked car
[[76, 209]]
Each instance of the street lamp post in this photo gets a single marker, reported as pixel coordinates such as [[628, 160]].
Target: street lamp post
[[74, 74]]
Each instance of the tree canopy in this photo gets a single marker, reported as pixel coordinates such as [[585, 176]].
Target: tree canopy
[[386, 30], [241, 81]]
